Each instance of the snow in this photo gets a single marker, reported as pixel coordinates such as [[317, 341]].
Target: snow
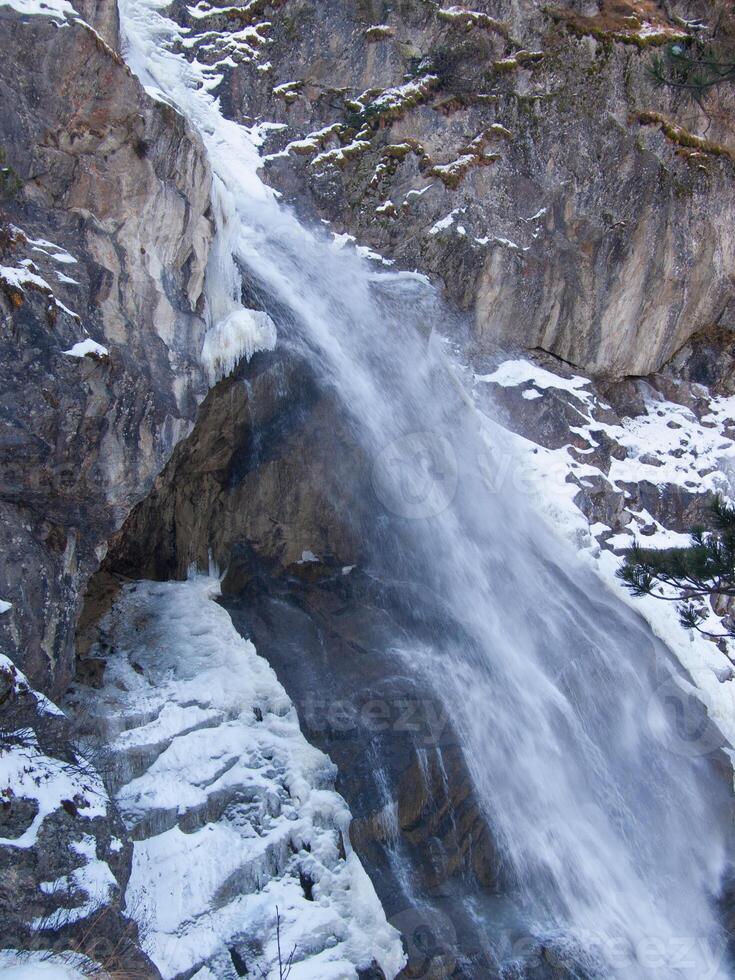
[[23, 276], [658, 32], [85, 347], [93, 877], [240, 335], [66, 279], [231, 805], [38, 971], [56, 252], [446, 222], [474, 18], [226, 48], [26, 276], [27, 771], [340, 241], [414, 193], [341, 154], [30, 773], [669, 429], [288, 88], [43, 965], [308, 145], [456, 167], [43, 8], [396, 99], [516, 372], [458, 12]]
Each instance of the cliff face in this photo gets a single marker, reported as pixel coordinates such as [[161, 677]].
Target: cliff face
[[523, 156], [521, 153], [104, 246], [104, 236]]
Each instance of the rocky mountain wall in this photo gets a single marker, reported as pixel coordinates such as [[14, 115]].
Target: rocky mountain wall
[[105, 235], [521, 153]]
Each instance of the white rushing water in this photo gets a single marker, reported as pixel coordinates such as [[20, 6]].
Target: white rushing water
[[604, 814]]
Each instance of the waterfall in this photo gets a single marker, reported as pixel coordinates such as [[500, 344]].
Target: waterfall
[[610, 830]]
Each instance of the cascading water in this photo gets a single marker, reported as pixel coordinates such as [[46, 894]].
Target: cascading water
[[610, 835]]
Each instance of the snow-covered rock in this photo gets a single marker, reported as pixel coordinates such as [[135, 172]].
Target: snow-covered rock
[[63, 867], [239, 837], [594, 488]]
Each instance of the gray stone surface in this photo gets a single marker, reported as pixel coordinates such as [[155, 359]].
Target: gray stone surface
[[121, 183], [596, 207]]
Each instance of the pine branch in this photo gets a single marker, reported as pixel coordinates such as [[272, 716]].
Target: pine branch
[[700, 572]]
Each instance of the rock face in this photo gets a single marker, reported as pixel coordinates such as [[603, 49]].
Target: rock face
[[521, 153], [417, 824], [261, 476], [64, 860], [104, 236], [103, 256]]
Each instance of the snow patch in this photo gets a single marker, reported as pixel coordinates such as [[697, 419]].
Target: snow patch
[[43, 965], [340, 241], [26, 277], [87, 347], [27, 771], [94, 878], [61, 9], [518, 372], [446, 222]]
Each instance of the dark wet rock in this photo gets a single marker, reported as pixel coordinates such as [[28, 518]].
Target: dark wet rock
[[16, 814], [545, 420], [269, 473], [675, 507], [707, 359], [601, 503], [400, 766]]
